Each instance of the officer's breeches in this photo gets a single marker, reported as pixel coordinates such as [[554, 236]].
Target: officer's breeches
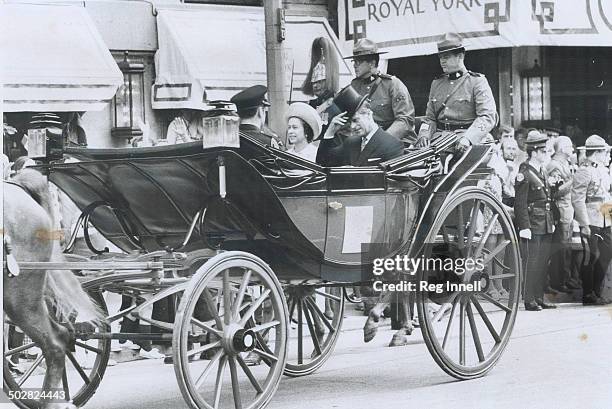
[[537, 249], [600, 245]]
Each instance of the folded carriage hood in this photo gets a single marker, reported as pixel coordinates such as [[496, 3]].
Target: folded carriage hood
[[157, 192]]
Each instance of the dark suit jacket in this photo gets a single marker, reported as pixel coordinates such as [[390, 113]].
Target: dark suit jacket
[[382, 146]]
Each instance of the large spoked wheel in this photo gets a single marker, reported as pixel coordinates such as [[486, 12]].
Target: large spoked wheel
[[316, 318], [233, 306], [86, 360], [466, 330]]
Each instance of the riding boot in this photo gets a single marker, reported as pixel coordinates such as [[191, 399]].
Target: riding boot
[[147, 345], [15, 339]]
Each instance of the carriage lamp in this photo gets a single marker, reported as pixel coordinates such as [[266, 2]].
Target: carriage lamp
[[129, 103], [535, 92], [220, 125]]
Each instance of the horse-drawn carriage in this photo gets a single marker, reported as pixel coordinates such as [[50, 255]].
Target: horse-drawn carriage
[[252, 242]]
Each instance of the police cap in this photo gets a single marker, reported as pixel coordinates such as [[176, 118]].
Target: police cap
[[250, 98], [536, 140]]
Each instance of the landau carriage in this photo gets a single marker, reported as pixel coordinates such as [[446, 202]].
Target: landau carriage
[[252, 242]]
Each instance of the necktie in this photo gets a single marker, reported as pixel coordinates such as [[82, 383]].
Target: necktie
[[363, 142]]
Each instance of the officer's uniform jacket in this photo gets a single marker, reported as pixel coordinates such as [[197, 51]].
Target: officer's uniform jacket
[[532, 207], [391, 104], [559, 167], [262, 136], [590, 190], [461, 99]]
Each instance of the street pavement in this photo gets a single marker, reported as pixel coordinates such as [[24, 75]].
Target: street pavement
[[556, 359]]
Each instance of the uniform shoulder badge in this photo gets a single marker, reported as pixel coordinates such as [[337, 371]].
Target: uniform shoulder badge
[[475, 74], [520, 177]]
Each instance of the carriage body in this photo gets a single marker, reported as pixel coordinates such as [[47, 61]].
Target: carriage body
[[308, 222]]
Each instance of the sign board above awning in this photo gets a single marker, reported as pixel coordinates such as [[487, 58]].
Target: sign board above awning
[[212, 52], [53, 59], [407, 28]]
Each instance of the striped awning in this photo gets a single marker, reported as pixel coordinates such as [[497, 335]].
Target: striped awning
[[52, 58], [212, 52]]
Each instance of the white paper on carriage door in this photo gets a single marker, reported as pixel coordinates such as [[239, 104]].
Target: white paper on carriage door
[[358, 222]]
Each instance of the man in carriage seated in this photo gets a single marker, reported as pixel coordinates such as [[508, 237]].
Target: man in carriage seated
[[367, 145], [460, 101], [252, 106]]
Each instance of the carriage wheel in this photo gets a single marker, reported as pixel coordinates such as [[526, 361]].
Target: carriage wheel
[[467, 331], [86, 362], [316, 317], [233, 306]]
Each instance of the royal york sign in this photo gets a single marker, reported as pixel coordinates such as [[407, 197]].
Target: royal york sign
[[413, 27]]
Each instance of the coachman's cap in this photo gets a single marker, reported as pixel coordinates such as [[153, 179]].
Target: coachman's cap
[[536, 140], [250, 98], [364, 47], [349, 100], [450, 42], [595, 143]]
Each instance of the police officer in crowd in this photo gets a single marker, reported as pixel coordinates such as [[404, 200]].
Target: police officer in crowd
[[590, 194], [389, 98], [532, 209], [460, 100], [252, 106]]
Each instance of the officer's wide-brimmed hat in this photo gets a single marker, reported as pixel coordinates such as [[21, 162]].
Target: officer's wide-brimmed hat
[[307, 114], [349, 100], [364, 47], [535, 140], [595, 143], [250, 98], [450, 42]]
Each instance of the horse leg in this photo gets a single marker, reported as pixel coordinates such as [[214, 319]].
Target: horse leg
[[33, 317]]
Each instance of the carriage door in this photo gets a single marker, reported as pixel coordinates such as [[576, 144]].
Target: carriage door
[[355, 212]]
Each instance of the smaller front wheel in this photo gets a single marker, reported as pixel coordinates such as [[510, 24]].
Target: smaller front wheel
[[234, 306]]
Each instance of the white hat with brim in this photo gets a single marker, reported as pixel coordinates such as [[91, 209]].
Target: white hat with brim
[[307, 114], [595, 143]]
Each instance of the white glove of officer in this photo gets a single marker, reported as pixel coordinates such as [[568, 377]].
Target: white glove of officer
[[525, 234]]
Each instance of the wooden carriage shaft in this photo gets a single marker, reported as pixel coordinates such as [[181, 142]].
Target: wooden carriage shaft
[[91, 265]]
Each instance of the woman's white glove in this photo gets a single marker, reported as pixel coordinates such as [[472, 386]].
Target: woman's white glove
[[525, 234]]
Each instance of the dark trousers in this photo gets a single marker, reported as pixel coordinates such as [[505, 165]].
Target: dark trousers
[[600, 246], [536, 252], [560, 269]]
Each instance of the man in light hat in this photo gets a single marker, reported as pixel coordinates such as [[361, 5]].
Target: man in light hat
[[533, 218], [252, 106], [460, 100], [390, 101], [590, 195]]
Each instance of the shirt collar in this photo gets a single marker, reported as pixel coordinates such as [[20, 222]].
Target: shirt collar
[[366, 139], [456, 75]]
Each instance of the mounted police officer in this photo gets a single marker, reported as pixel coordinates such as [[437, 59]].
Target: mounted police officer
[[252, 106], [591, 199], [460, 101], [389, 98], [532, 209]]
